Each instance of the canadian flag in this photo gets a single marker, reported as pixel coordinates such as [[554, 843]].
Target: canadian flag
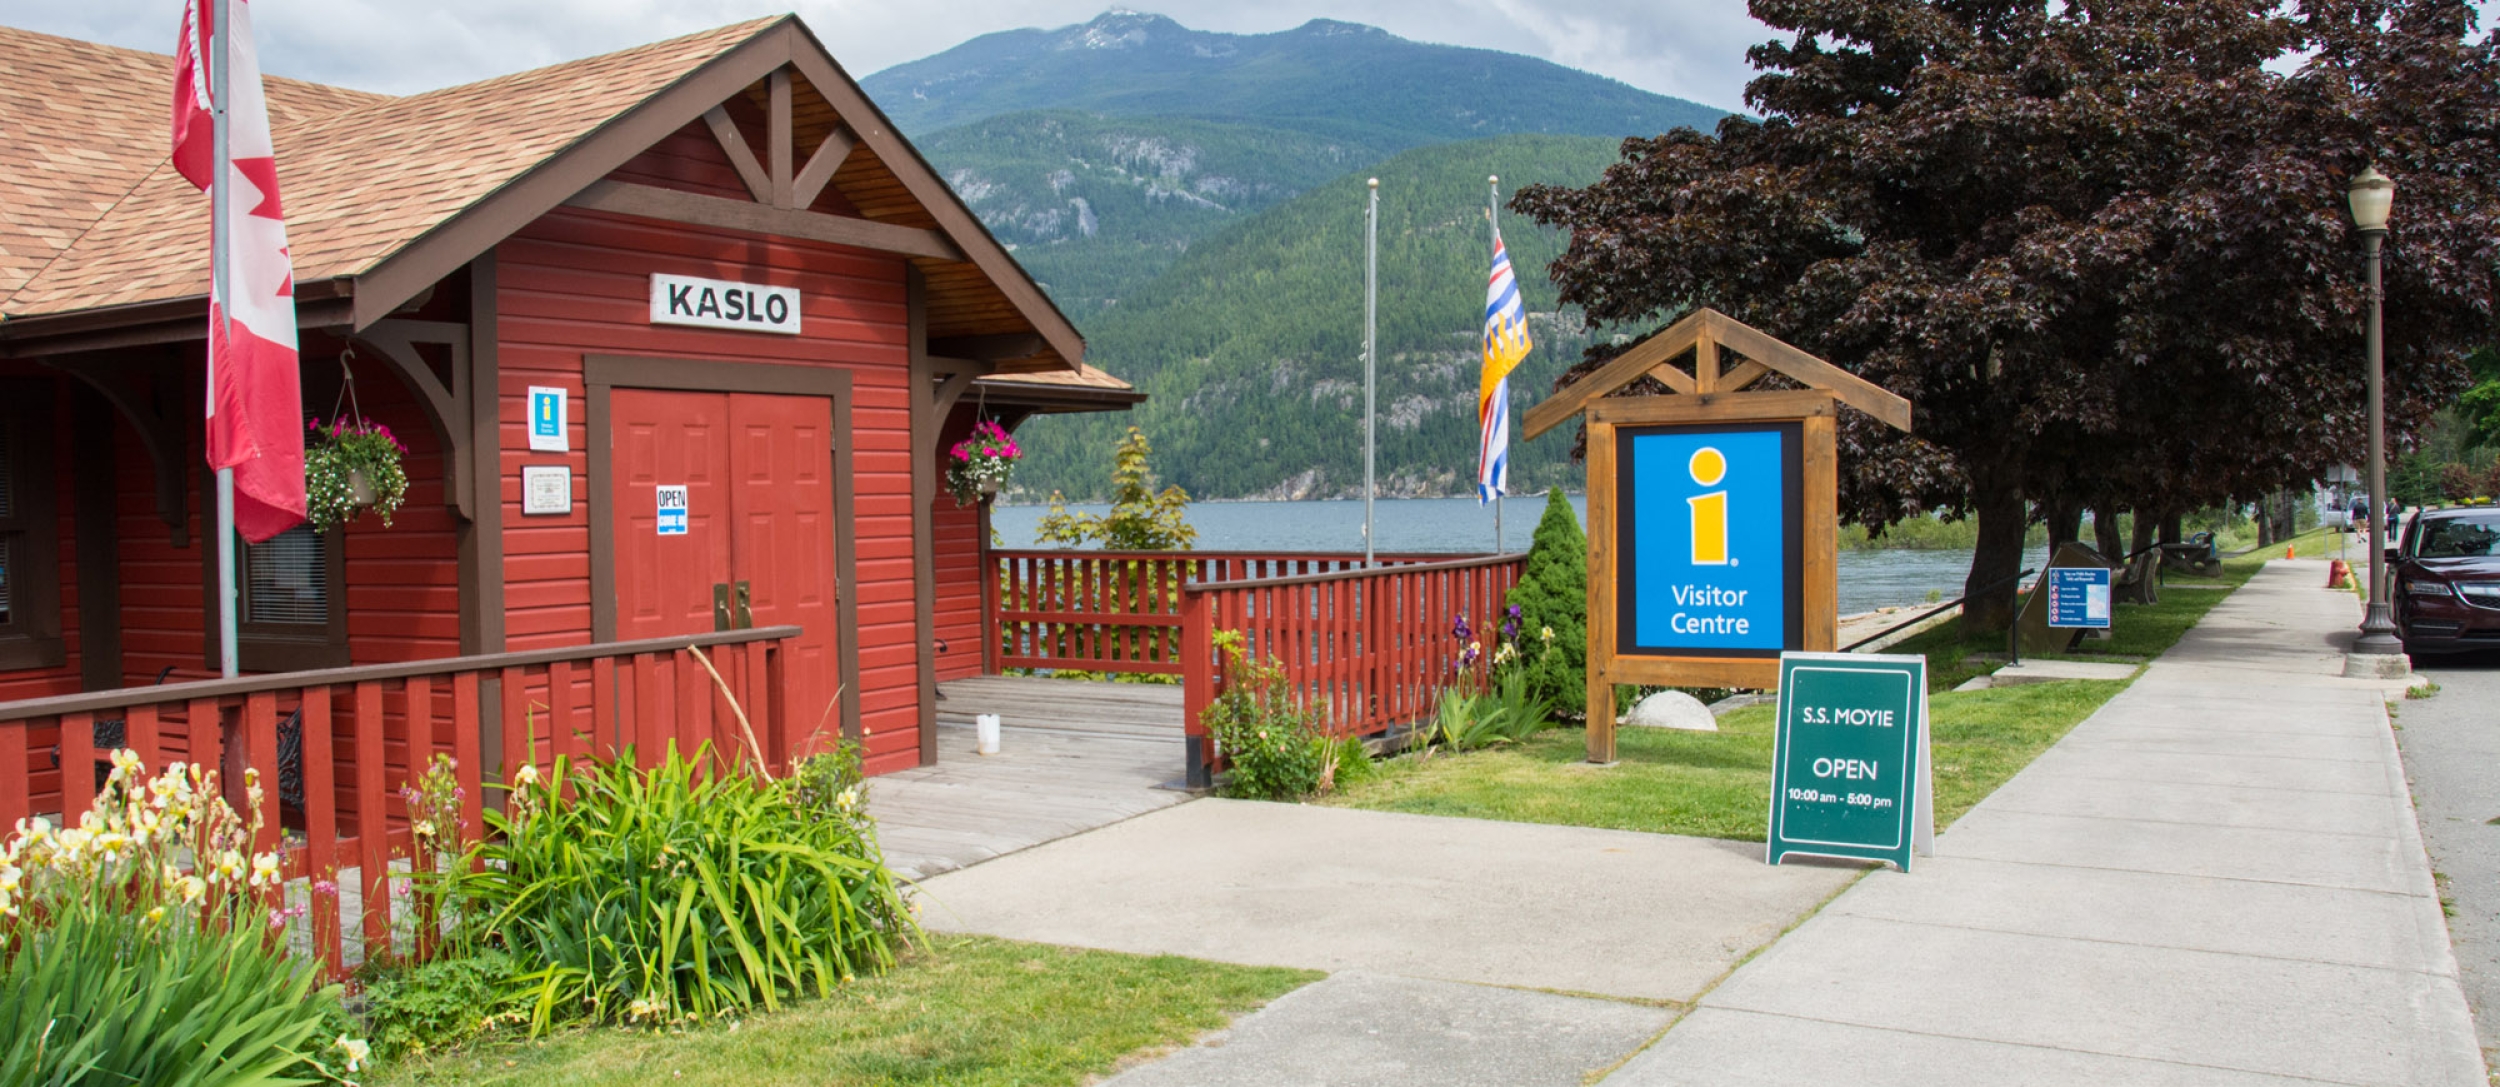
[[255, 400]]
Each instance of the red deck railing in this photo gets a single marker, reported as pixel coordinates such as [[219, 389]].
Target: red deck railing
[[361, 734], [1366, 650], [1120, 611]]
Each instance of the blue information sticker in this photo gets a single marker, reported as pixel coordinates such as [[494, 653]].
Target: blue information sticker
[[1710, 548], [2078, 597]]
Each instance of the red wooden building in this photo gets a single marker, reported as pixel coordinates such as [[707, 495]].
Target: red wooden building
[[602, 228]]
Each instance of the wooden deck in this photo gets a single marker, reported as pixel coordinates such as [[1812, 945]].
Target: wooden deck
[[1072, 756]]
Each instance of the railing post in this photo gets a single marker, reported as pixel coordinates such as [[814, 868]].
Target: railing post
[[1197, 688]]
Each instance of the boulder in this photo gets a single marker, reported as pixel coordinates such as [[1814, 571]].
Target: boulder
[[1672, 709]]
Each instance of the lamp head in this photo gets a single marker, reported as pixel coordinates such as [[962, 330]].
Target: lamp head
[[2372, 194]]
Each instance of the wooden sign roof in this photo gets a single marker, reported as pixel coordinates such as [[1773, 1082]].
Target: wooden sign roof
[[1705, 334]]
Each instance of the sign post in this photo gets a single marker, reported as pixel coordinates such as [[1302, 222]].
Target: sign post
[[1713, 515], [1849, 770]]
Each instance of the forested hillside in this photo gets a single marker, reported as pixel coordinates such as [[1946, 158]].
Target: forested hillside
[[1251, 342], [1096, 207]]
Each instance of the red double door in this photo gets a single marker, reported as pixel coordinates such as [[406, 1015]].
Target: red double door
[[757, 473]]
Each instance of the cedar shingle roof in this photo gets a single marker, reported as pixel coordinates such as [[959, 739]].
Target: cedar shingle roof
[[106, 115], [85, 125]]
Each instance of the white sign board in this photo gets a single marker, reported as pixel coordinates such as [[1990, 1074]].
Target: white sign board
[[672, 509], [546, 489], [547, 433], [719, 303]]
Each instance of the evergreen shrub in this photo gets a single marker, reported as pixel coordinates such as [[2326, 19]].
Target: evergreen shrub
[[1552, 594]]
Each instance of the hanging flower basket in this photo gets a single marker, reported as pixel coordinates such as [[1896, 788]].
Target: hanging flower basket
[[352, 466], [980, 464]]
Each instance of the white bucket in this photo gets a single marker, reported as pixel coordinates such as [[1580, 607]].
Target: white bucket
[[986, 727]]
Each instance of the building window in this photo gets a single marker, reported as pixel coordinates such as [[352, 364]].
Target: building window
[[294, 606], [30, 571]]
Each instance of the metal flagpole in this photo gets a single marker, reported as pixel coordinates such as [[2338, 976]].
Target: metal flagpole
[[1371, 352], [220, 54], [1492, 213]]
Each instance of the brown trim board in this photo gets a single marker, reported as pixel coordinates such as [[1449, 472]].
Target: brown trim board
[[99, 540], [602, 375]]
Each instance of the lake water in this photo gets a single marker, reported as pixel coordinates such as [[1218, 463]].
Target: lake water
[[1868, 579]]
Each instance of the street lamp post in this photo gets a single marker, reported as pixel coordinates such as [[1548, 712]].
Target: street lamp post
[[2377, 652]]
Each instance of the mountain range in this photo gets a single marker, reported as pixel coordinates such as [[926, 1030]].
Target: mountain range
[[1193, 201]]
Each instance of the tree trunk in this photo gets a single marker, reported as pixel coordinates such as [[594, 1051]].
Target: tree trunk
[[1988, 593], [2265, 521], [2065, 524], [2170, 527], [2105, 533], [2142, 537]]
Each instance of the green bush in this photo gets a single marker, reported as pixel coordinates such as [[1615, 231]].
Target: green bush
[[1275, 751], [678, 893], [135, 948], [416, 1008], [1552, 595]]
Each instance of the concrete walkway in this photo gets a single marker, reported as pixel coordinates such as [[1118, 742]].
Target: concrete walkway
[[2216, 879]]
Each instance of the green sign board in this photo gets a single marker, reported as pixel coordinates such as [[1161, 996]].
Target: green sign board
[[1849, 774]]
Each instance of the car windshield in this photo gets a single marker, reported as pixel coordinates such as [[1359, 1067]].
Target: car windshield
[[2460, 537]]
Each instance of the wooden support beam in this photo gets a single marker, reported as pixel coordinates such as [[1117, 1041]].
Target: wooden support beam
[[820, 168], [1675, 379], [1623, 370], [1706, 365], [1743, 374], [685, 207], [734, 144], [1855, 391], [777, 147]]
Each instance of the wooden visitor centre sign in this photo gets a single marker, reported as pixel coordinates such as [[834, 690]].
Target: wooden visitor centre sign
[[1713, 514]]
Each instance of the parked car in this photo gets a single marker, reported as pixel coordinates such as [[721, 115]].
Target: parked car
[[2447, 580]]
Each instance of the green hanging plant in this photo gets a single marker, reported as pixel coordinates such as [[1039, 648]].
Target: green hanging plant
[[352, 466]]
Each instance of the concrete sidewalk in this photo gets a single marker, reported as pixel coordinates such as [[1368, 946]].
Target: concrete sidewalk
[[2216, 879]]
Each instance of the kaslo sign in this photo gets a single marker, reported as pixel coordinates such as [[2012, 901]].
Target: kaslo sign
[[720, 303], [1713, 513]]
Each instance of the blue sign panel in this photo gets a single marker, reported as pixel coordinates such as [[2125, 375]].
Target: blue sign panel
[[1709, 562], [547, 433], [2078, 596]]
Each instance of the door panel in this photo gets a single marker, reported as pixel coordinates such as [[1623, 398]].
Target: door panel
[[781, 460], [664, 583]]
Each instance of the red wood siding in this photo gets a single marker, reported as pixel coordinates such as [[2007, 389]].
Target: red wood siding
[[577, 283], [955, 538]]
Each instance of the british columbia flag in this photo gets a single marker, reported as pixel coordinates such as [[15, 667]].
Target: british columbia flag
[[1505, 343]]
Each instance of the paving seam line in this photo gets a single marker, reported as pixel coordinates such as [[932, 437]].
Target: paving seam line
[[2234, 879], [2207, 784], [2065, 938], [2409, 830], [2191, 823], [913, 885], [2293, 1076]]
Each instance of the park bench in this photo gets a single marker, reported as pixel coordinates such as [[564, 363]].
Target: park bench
[[2196, 555]]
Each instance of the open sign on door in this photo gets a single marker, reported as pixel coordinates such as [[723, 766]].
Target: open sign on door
[[672, 497]]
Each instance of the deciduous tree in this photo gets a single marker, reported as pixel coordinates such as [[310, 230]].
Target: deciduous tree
[[2101, 244]]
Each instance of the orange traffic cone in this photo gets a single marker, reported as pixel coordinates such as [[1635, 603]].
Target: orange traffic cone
[[2290, 551]]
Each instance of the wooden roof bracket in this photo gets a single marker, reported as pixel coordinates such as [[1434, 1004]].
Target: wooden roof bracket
[[1706, 332], [447, 409]]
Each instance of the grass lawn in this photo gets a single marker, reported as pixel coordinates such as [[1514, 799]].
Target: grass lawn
[[1718, 785], [969, 1010]]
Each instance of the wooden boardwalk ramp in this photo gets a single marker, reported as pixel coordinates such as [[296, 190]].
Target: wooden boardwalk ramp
[[1073, 756]]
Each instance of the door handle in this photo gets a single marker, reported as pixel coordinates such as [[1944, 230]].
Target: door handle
[[720, 606], [745, 616]]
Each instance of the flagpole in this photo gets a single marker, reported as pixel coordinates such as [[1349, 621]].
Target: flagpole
[[1492, 210], [220, 56], [1371, 353]]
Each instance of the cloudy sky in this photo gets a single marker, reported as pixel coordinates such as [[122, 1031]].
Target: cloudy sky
[[1688, 48]]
